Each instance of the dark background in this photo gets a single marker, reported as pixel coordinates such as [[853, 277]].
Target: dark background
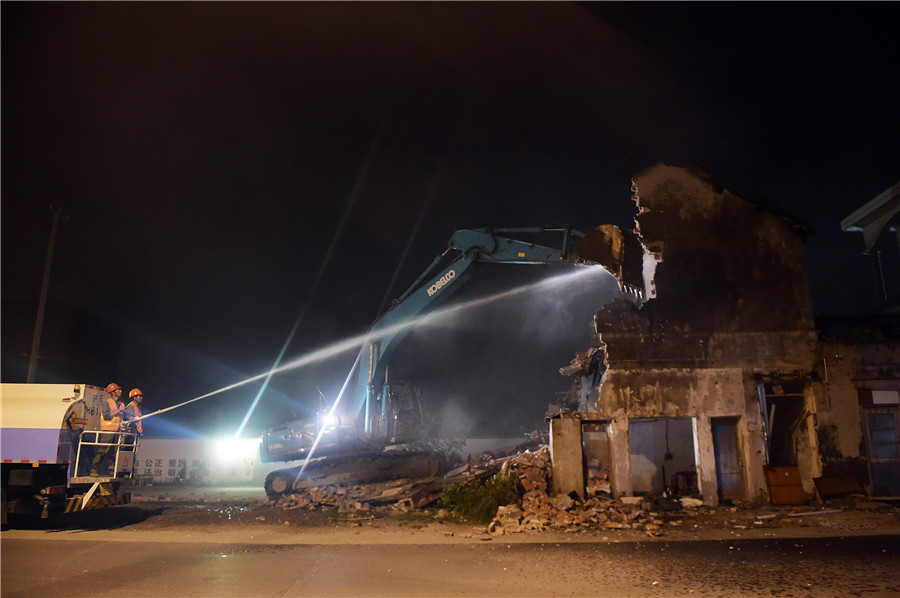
[[227, 168]]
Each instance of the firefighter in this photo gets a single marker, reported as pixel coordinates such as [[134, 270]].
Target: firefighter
[[133, 410], [111, 411]]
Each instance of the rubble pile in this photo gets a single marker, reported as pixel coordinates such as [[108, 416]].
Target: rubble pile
[[538, 510], [400, 494]]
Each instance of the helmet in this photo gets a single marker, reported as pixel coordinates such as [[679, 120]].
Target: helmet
[[113, 387], [135, 392]]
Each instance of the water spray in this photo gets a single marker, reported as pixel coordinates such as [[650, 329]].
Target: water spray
[[358, 341], [416, 320]]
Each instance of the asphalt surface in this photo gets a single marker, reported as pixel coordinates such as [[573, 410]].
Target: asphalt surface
[[231, 542], [62, 565]]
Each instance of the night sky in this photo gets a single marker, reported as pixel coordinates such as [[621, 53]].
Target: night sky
[[225, 169]]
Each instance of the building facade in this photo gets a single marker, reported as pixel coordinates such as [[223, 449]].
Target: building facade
[[719, 385]]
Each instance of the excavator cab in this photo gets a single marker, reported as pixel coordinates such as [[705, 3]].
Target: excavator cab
[[294, 440], [399, 420]]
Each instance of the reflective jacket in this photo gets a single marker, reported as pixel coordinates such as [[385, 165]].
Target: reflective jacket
[[115, 411], [132, 411]]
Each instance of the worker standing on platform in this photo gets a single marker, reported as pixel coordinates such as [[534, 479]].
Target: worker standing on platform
[[133, 410], [111, 411]]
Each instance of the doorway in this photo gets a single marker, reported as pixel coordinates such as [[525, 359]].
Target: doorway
[[729, 466], [662, 456], [595, 446], [783, 408], [882, 425]]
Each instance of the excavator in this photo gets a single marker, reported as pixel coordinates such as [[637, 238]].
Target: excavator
[[373, 412]]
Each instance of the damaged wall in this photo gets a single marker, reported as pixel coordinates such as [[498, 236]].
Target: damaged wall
[[731, 305], [728, 261], [860, 376]]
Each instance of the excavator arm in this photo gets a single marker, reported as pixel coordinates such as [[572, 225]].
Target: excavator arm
[[369, 401], [436, 284]]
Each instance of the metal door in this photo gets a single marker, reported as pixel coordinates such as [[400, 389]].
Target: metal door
[[884, 450], [729, 469]]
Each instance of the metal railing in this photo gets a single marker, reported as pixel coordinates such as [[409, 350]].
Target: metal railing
[[123, 448]]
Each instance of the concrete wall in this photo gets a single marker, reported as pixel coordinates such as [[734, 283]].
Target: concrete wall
[[728, 332], [701, 394], [850, 370], [732, 306], [724, 262]]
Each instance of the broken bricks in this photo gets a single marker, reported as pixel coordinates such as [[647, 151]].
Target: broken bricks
[[538, 510]]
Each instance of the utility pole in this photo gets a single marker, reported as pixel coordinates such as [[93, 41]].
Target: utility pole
[[39, 323]]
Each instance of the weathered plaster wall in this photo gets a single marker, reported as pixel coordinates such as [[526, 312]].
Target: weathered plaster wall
[[839, 421], [727, 264], [732, 302], [673, 393], [701, 393], [640, 347], [566, 455], [848, 367]]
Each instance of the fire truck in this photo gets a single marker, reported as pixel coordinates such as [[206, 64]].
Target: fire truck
[[50, 434]]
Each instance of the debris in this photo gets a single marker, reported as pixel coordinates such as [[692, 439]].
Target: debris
[[564, 502], [838, 486], [507, 521], [536, 511], [539, 511], [597, 486], [814, 513], [580, 365]]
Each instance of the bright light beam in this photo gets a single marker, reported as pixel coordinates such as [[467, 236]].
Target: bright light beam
[[330, 414], [357, 189]]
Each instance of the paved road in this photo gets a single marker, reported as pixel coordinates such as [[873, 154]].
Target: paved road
[[160, 564]]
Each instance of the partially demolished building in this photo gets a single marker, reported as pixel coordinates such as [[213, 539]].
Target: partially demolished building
[[719, 384]]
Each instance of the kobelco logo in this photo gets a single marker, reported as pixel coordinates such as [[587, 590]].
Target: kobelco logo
[[443, 280]]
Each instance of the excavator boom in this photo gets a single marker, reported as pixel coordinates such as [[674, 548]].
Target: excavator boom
[[372, 404]]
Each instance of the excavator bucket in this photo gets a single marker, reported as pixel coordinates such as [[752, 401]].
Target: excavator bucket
[[620, 253]]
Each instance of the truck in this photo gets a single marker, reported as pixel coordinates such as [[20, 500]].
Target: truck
[[49, 434], [374, 412]]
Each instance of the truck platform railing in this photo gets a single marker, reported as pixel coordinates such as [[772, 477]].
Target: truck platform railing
[[122, 454]]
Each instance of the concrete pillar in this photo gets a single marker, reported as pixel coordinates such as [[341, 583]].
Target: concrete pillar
[[752, 441], [567, 456], [810, 458], [619, 456], [705, 458]]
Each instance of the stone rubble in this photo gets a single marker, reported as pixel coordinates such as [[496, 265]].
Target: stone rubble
[[538, 510]]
